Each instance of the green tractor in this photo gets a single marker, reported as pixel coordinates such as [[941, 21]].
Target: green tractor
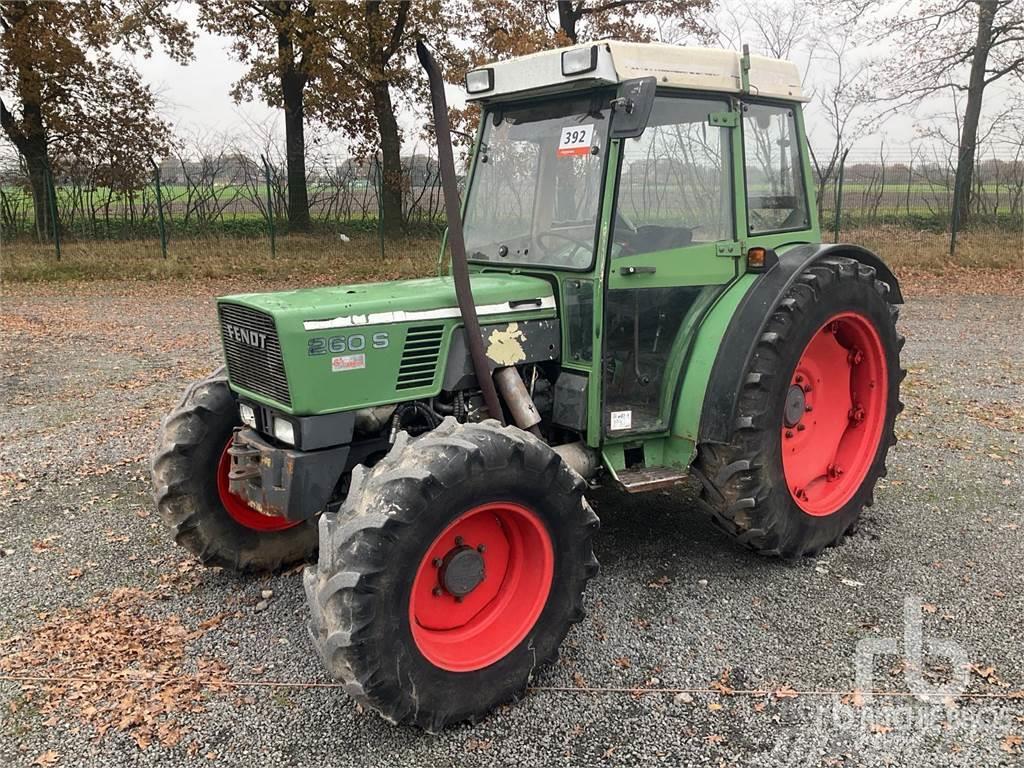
[[638, 290]]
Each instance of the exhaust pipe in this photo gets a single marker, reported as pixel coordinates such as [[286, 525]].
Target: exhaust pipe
[[456, 241]]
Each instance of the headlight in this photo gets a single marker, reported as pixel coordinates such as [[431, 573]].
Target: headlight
[[579, 60], [248, 415], [284, 430], [480, 80]]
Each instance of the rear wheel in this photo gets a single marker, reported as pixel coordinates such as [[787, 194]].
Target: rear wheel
[[453, 570], [815, 418], [190, 481]]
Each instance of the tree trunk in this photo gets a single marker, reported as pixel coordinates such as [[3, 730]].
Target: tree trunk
[[34, 153], [972, 114], [293, 84], [392, 178]]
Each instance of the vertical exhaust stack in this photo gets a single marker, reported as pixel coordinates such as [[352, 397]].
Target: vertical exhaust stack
[[456, 241]]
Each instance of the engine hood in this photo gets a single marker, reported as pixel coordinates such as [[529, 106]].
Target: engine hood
[[430, 298], [321, 350]]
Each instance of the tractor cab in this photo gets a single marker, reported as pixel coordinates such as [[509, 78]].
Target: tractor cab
[[638, 178]]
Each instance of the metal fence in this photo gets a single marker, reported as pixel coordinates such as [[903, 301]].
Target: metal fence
[[234, 196]]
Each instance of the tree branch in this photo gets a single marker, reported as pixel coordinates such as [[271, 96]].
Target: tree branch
[[396, 33]]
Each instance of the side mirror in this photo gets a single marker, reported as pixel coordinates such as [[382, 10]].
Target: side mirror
[[631, 108]]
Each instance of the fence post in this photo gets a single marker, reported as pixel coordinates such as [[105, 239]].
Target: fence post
[[270, 208], [160, 210], [839, 195], [51, 201]]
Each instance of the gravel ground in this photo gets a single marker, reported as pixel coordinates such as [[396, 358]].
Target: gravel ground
[[88, 372]]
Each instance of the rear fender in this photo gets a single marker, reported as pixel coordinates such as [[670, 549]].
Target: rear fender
[[719, 387]]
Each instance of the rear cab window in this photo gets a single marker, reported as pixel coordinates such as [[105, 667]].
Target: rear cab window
[[776, 195]]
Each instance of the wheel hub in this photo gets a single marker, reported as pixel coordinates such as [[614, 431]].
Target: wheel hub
[[796, 404], [461, 571], [481, 586], [834, 413]]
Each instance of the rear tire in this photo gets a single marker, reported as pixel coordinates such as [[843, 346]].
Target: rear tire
[[186, 469], [381, 621], [749, 482]]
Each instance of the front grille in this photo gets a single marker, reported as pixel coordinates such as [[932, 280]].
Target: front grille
[[419, 356], [257, 367]]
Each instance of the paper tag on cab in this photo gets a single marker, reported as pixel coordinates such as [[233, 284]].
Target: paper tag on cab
[[621, 420], [575, 140]]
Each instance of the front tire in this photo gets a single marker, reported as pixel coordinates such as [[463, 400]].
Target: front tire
[[815, 417], [452, 572], [189, 472]]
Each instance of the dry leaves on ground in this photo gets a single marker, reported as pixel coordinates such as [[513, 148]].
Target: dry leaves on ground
[[116, 666]]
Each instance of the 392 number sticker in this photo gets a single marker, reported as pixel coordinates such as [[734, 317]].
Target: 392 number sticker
[[575, 140]]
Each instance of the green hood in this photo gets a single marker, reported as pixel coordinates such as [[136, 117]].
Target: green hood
[[408, 296], [320, 350]]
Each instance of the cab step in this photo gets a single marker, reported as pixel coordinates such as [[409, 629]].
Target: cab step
[[643, 479]]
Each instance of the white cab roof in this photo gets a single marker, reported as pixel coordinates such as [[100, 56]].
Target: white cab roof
[[674, 66]]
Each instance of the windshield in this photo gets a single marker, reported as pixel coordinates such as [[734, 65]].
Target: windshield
[[536, 185]]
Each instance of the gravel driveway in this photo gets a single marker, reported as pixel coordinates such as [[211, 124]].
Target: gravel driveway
[[88, 372]]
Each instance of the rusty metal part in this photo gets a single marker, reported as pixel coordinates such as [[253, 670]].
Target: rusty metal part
[[649, 478], [516, 396], [579, 457], [283, 482], [456, 241]]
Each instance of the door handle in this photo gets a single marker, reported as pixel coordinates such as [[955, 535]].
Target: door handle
[[637, 270]]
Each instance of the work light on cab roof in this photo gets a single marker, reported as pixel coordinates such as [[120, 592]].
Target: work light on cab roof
[[637, 291]]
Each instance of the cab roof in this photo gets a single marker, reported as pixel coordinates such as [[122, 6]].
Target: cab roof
[[674, 66]]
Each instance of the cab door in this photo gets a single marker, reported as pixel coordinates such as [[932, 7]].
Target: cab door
[[672, 249]]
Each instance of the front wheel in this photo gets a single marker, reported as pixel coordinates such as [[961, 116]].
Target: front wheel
[[815, 417], [190, 484], [453, 570]]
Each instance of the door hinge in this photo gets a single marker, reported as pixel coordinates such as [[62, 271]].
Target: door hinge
[[724, 119], [727, 248]]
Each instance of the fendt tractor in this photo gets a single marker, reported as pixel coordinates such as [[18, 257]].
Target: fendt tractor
[[637, 291]]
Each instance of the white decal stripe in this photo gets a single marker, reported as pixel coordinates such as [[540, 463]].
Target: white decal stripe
[[401, 316]]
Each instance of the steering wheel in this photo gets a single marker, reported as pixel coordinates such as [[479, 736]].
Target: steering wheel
[[576, 242]]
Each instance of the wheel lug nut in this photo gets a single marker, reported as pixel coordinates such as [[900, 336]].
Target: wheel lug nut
[[436, 592], [789, 433], [481, 548], [801, 427], [808, 408], [438, 562], [458, 598], [458, 541], [799, 378]]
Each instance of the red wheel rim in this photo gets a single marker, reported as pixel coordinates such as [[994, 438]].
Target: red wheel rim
[[461, 635], [238, 508], [834, 415]]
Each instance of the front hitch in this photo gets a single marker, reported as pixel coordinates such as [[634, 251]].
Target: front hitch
[[283, 482]]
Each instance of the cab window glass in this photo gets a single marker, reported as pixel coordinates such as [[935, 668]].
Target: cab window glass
[[775, 184], [675, 186]]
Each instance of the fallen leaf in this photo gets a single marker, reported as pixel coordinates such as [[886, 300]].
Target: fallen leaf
[[714, 738], [879, 728], [714, 706], [622, 662], [929, 607], [785, 692], [1011, 743], [49, 757]]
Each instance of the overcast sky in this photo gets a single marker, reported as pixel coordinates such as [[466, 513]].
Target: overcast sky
[[195, 98]]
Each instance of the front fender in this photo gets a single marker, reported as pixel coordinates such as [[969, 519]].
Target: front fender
[[727, 338]]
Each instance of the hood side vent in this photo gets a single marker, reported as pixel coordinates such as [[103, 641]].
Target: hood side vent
[[419, 356]]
